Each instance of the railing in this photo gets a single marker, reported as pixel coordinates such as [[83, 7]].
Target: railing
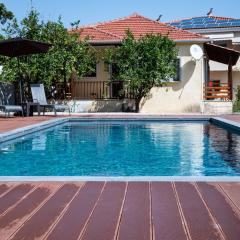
[[217, 93], [99, 90]]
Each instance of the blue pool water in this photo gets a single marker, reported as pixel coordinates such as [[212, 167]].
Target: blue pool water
[[124, 149]]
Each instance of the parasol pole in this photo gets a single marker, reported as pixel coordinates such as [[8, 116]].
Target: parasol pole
[[20, 81]]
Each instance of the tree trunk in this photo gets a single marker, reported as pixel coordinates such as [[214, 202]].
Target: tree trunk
[[137, 103], [65, 79]]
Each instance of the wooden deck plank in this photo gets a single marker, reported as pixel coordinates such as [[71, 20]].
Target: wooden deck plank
[[36, 214], [73, 221], [13, 196], [103, 222], [200, 224], [3, 188], [135, 221], [42, 220], [233, 191], [167, 223], [11, 221], [220, 208]]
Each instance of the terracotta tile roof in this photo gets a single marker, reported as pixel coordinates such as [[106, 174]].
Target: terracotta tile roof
[[139, 25], [97, 34]]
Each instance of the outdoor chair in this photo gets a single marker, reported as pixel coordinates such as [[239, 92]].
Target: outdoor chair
[[11, 108], [39, 96]]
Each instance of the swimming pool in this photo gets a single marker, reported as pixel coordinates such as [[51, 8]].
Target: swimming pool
[[124, 148]]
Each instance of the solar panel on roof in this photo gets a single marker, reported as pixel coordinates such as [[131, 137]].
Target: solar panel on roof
[[235, 24], [206, 22], [186, 21], [186, 26], [199, 25], [197, 22], [200, 18], [209, 20], [222, 21], [224, 24], [234, 21], [211, 25]]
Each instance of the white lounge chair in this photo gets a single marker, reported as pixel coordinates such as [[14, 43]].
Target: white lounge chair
[[39, 96], [7, 109]]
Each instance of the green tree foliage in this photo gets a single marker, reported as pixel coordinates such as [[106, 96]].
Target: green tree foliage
[[67, 55], [144, 63], [236, 104], [5, 14]]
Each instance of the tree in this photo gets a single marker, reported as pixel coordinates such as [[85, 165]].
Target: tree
[[5, 14], [67, 54], [144, 63]]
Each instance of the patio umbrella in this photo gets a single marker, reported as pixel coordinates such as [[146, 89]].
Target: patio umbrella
[[16, 47]]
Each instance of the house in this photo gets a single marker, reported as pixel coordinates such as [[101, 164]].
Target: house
[[183, 95], [224, 32]]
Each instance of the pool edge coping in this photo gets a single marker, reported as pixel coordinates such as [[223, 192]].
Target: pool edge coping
[[19, 132], [119, 179]]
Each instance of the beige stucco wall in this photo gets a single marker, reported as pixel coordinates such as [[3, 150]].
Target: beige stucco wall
[[179, 97], [217, 107], [79, 106]]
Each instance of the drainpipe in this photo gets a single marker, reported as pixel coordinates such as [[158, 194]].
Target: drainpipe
[[202, 84]]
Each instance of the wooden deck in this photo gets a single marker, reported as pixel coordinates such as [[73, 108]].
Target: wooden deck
[[8, 124], [120, 210]]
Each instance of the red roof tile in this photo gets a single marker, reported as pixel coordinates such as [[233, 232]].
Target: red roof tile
[[139, 25], [97, 34]]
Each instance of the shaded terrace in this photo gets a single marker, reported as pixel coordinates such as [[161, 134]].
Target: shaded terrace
[[227, 56]]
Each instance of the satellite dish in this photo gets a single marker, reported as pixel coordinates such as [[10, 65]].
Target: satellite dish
[[196, 52]]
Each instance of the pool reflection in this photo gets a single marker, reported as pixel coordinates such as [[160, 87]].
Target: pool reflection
[[225, 142]]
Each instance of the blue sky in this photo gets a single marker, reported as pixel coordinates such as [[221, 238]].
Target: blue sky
[[92, 11]]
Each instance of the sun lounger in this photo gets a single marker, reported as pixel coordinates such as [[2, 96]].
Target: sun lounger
[[39, 96], [7, 109]]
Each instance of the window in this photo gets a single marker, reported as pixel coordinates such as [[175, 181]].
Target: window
[[114, 71], [106, 67], [178, 70], [221, 43]]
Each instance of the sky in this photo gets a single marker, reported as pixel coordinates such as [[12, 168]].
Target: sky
[[92, 11]]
